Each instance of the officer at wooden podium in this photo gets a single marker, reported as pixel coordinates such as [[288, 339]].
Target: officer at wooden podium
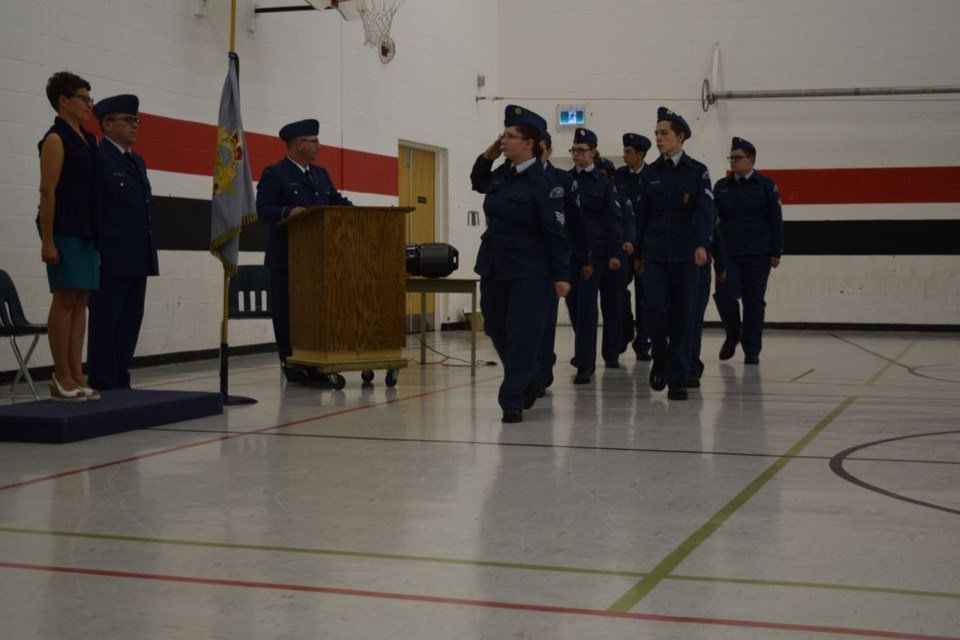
[[286, 188]]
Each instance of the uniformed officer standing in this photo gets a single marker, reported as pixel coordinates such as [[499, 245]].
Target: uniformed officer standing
[[628, 178], [614, 328], [674, 228], [524, 257], [286, 188], [579, 261], [601, 218], [128, 247], [751, 221]]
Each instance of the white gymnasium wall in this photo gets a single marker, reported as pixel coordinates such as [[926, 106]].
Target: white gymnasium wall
[[624, 58], [292, 66]]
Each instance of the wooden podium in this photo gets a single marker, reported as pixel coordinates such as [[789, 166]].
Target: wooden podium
[[347, 288]]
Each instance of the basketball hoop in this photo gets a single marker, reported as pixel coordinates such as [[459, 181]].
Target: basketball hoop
[[377, 16]]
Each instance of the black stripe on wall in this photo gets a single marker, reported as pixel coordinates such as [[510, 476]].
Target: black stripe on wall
[[872, 238], [183, 224]]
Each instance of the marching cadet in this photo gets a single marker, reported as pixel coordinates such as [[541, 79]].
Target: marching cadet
[[751, 222], [601, 217], [524, 257], [613, 286], [674, 228], [628, 178], [579, 262]]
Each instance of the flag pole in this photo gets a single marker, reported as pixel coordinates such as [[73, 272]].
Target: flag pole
[[224, 323]]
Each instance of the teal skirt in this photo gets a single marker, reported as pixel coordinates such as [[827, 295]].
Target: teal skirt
[[79, 266]]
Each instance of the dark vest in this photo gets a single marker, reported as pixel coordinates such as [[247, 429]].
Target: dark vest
[[76, 211]]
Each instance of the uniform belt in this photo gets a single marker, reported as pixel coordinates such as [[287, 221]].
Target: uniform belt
[[673, 217]]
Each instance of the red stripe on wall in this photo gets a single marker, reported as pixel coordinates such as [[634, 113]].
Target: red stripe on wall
[[181, 146], [880, 185]]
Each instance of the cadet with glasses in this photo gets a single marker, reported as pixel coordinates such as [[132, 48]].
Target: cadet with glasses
[[601, 218], [751, 221], [128, 247], [286, 188], [524, 258], [579, 262]]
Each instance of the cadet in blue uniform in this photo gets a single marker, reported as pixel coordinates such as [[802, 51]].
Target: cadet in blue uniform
[[579, 262], [614, 294], [286, 188], [628, 179], [751, 221], [524, 257], [128, 247], [674, 228], [601, 218]]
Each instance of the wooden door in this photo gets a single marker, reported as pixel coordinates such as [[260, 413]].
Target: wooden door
[[418, 189]]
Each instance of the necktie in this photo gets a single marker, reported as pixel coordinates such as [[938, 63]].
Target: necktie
[[308, 175], [128, 156], [512, 172], [668, 163]]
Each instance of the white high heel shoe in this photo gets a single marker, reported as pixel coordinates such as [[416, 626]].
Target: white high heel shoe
[[89, 392], [59, 394]]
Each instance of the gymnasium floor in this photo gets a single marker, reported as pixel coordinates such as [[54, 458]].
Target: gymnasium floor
[[814, 496]]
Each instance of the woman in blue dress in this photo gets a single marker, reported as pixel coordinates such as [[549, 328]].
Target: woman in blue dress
[[68, 230]]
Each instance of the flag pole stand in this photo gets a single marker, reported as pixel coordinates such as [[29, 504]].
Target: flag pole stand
[[228, 400]]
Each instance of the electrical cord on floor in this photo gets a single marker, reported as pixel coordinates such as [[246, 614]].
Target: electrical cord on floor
[[466, 363]]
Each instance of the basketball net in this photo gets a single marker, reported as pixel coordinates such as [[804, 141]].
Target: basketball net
[[377, 16]]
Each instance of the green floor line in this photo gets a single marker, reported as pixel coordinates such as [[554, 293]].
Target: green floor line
[[895, 361], [480, 563], [666, 566]]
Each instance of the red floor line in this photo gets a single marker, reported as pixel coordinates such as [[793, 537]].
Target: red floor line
[[491, 604], [63, 474]]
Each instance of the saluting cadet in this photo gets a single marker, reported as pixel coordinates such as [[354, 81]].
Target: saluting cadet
[[628, 178], [286, 188], [601, 217], [674, 228], [751, 221], [524, 257], [128, 247], [579, 262], [614, 294]]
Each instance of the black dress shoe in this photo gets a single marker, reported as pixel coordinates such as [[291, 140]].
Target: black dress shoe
[[678, 392], [612, 364], [728, 348], [657, 381], [693, 381], [583, 375], [751, 358], [512, 415], [530, 396], [321, 380], [292, 374], [644, 356]]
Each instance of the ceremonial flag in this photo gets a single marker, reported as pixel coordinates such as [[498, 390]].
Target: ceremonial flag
[[233, 202]]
